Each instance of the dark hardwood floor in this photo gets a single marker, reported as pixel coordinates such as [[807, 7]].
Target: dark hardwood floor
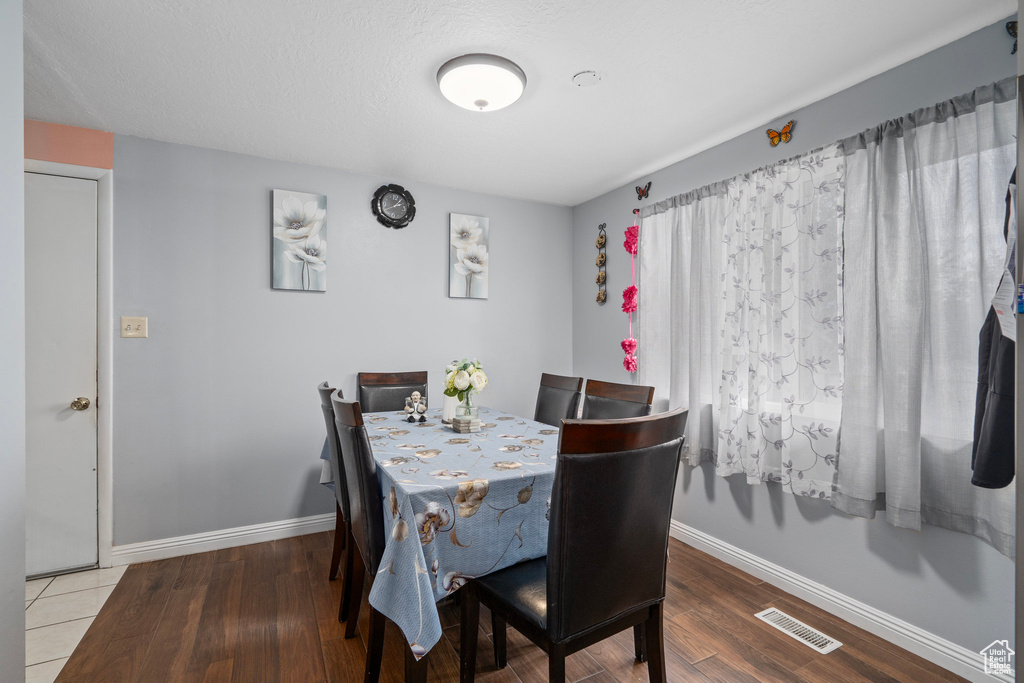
[[267, 612]]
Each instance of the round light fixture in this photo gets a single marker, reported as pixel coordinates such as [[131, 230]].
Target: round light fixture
[[480, 82]]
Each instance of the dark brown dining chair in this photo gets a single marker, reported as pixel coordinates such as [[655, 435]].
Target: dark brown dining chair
[[366, 533], [607, 546], [557, 399], [384, 391], [341, 529], [608, 400]]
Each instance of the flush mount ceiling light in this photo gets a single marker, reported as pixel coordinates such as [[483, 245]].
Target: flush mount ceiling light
[[480, 82]]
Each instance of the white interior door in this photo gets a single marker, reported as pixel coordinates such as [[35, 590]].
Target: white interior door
[[60, 371]]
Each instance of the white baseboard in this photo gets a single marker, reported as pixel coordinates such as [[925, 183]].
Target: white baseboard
[[945, 653], [161, 549]]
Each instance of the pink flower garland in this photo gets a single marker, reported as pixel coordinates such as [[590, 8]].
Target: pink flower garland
[[630, 297], [632, 242]]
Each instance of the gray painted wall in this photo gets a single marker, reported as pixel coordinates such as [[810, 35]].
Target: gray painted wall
[[217, 423], [948, 583], [12, 348]]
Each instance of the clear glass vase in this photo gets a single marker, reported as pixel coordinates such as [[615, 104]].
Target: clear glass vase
[[466, 408]]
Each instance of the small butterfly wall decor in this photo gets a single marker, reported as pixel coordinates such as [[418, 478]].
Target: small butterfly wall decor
[[1011, 28], [777, 136], [642, 192]]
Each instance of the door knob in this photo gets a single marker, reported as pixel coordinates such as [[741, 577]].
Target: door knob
[[80, 403]]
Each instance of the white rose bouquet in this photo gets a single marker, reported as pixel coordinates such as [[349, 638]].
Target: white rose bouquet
[[462, 379]]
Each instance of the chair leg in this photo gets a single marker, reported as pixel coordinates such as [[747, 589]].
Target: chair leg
[[374, 646], [556, 664], [656, 645], [468, 636], [340, 532], [498, 634], [358, 574], [415, 670], [640, 642], [346, 589]]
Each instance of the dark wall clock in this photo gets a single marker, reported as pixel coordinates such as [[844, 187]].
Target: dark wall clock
[[393, 206]]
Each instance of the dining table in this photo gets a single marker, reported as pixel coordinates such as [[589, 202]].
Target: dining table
[[456, 506]]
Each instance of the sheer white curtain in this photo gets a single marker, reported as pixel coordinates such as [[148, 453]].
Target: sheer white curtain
[[740, 319], [923, 252]]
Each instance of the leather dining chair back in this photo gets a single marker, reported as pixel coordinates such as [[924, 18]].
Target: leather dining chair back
[[367, 533], [608, 400], [340, 489], [342, 528], [597, 540], [367, 513], [557, 399], [611, 506], [384, 391]]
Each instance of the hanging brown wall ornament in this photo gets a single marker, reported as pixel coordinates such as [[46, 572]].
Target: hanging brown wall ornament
[[602, 239]]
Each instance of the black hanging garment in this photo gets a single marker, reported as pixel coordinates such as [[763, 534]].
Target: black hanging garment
[[993, 456]]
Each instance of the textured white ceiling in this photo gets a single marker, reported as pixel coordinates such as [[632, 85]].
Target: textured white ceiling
[[351, 84]]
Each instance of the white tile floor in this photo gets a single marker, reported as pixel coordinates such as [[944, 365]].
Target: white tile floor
[[58, 612]]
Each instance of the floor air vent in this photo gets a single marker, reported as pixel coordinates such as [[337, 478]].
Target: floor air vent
[[810, 637]]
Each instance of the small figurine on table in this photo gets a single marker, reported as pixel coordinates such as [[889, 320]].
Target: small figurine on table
[[415, 407]]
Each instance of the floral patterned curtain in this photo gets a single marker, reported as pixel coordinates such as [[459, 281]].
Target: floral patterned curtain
[[741, 319]]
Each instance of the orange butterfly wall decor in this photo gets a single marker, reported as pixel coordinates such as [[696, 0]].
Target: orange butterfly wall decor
[[641, 192], [776, 136]]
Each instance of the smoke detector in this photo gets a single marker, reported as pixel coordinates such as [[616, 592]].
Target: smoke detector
[[585, 79]]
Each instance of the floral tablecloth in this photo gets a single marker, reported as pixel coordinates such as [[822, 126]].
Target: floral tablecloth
[[455, 506]]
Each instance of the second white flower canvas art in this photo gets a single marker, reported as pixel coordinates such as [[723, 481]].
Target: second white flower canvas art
[[300, 241], [468, 256]]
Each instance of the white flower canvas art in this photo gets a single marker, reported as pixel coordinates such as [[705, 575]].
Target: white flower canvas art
[[300, 241], [468, 268]]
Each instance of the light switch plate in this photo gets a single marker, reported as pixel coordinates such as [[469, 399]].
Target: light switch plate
[[134, 326]]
